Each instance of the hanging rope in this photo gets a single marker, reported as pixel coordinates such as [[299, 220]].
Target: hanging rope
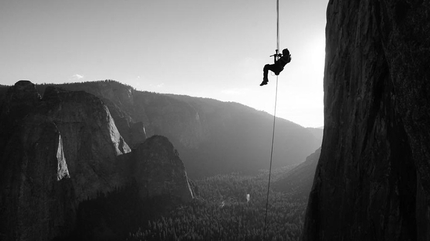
[[271, 152], [277, 26], [274, 122]]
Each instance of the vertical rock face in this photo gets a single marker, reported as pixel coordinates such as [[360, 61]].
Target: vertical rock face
[[91, 141], [373, 177], [36, 205]]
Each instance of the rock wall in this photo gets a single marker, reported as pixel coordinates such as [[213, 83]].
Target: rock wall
[[57, 152], [373, 177]]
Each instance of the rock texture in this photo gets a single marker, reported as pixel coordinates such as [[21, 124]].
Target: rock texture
[[373, 177], [91, 141], [58, 152]]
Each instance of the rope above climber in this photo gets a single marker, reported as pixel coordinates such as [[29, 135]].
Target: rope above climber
[[280, 61]]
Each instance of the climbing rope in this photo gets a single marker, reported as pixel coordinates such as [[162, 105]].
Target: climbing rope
[[277, 26], [271, 156], [274, 121]]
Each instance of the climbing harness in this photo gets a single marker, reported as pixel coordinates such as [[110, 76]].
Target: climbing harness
[[275, 56]]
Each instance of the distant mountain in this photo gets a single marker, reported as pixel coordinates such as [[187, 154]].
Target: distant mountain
[[298, 180], [317, 132], [212, 137]]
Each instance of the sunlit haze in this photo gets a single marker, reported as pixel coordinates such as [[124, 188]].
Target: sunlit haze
[[213, 49]]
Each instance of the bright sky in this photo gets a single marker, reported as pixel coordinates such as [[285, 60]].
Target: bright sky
[[203, 48]]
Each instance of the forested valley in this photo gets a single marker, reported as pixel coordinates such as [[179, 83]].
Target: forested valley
[[230, 207]]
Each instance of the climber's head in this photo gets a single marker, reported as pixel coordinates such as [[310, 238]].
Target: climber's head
[[285, 52]]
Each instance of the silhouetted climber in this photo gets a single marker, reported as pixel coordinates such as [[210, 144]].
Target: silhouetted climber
[[280, 61]]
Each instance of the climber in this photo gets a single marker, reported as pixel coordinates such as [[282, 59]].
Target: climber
[[280, 61]]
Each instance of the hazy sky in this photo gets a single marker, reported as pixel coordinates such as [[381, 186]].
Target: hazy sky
[[204, 48]]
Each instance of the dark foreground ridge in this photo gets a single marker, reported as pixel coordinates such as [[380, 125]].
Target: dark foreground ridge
[[373, 177]]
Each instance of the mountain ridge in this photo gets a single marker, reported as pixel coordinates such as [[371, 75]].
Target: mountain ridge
[[213, 137], [299, 179]]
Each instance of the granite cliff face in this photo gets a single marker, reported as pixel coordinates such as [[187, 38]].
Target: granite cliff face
[[373, 177], [213, 137], [58, 152]]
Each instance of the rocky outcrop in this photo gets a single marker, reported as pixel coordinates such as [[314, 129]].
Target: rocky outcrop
[[58, 152], [16, 103], [91, 141], [372, 181], [159, 171]]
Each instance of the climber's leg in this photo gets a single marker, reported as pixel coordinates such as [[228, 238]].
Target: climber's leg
[[266, 69]]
